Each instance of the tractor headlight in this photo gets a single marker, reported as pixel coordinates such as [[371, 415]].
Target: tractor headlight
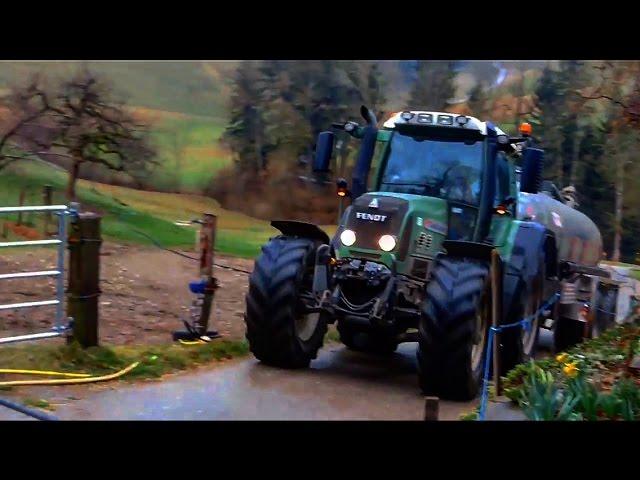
[[387, 242], [348, 238]]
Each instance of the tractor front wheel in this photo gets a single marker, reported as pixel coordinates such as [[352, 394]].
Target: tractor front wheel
[[279, 329], [453, 331]]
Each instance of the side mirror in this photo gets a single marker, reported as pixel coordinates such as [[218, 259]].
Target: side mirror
[[531, 176], [324, 150]]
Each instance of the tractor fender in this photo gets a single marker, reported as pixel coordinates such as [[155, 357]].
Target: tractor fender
[[295, 228], [533, 246]]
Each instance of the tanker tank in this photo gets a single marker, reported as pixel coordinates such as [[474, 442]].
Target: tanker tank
[[577, 237]]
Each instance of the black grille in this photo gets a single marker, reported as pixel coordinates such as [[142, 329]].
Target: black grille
[[368, 231], [420, 268], [425, 240]]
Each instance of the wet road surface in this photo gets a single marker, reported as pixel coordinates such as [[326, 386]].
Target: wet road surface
[[340, 385]]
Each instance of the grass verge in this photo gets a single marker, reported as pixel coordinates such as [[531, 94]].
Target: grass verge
[[155, 360]]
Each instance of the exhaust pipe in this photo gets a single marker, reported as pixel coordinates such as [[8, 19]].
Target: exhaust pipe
[[367, 148]]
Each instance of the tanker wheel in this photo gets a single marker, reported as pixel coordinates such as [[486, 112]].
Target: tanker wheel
[[366, 342], [519, 345], [453, 330], [279, 331]]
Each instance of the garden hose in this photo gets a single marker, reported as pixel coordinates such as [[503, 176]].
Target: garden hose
[[44, 372], [200, 341], [70, 381]]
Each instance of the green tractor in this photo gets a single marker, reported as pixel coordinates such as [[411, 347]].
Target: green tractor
[[432, 196]]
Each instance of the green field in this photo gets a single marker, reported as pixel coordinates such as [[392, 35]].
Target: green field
[[189, 153], [126, 210], [183, 102], [190, 87]]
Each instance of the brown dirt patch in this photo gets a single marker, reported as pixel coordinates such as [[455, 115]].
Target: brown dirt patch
[[144, 294]]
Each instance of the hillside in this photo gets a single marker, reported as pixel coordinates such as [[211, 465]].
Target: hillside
[[194, 88], [127, 212]]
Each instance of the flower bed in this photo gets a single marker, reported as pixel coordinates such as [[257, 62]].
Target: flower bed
[[596, 380]]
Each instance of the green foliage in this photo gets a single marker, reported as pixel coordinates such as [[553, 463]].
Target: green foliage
[[470, 416], [628, 394], [542, 398], [545, 392], [282, 105], [433, 87], [38, 403], [477, 101], [589, 399]]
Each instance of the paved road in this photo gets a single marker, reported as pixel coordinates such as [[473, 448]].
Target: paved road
[[340, 385]]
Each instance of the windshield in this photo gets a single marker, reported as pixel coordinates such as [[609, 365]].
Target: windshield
[[448, 168]]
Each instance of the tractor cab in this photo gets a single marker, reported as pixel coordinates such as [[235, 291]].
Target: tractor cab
[[436, 199], [423, 178]]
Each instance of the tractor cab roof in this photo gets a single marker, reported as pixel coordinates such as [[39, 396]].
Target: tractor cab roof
[[440, 119]]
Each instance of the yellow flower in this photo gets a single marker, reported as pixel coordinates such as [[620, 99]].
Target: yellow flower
[[570, 369], [562, 358]]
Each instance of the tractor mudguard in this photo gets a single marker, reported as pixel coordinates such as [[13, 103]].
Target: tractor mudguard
[[532, 241], [301, 229]]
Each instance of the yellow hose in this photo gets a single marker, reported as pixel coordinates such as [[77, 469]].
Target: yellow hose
[[196, 342], [71, 381], [44, 372]]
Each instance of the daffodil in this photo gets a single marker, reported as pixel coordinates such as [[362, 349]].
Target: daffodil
[[562, 358], [570, 369]]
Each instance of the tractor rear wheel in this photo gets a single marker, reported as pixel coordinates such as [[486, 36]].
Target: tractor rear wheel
[[453, 331], [519, 345], [279, 330], [366, 342]]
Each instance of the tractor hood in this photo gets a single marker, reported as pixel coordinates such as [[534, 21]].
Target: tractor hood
[[372, 216], [418, 223]]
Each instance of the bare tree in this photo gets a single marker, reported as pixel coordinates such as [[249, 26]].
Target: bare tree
[[81, 122], [28, 128], [95, 128], [619, 88]]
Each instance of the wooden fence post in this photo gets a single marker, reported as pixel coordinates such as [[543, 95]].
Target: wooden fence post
[[431, 409], [84, 278], [207, 247]]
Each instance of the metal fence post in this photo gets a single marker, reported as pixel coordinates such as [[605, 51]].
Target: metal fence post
[[496, 315], [84, 278], [62, 236]]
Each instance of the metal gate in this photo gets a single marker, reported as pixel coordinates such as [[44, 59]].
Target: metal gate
[[59, 328]]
